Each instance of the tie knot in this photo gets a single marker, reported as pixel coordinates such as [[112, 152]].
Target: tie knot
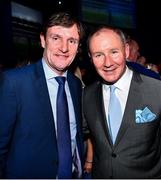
[[60, 80]]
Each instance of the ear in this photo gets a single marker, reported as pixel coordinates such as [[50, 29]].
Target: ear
[[42, 40], [127, 50]]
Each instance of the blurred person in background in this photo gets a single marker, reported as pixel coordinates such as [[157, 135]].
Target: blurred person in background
[[138, 62]]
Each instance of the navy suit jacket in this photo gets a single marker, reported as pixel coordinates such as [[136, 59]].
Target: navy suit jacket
[[28, 145]]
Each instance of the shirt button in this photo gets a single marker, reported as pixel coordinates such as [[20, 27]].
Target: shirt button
[[114, 155]]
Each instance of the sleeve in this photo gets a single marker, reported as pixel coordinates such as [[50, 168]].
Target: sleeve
[[86, 131], [7, 118]]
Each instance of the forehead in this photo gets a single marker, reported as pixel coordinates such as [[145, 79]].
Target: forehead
[[105, 37], [105, 33], [64, 31]]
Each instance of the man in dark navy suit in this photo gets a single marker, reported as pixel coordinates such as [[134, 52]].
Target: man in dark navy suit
[[28, 118]]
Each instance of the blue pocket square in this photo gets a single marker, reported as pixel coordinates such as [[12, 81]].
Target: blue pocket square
[[145, 115]]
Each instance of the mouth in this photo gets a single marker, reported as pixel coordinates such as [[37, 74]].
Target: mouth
[[61, 55], [110, 70]]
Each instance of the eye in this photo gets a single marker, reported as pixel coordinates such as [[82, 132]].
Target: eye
[[114, 51], [73, 41], [98, 55], [55, 38]]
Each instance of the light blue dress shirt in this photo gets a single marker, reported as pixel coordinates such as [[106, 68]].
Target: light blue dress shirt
[[123, 86], [52, 89]]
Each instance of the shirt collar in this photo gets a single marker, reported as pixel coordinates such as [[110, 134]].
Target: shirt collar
[[124, 82], [49, 73]]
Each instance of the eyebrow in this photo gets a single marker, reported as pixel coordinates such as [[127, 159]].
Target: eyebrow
[[58, 35]]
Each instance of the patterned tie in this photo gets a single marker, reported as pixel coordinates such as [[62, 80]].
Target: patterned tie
[[63, 132], [115, 114]]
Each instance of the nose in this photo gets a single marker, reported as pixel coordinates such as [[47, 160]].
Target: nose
[[64, 46], [107, 61]]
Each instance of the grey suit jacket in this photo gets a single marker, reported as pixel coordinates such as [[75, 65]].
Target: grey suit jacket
[[137, 150]]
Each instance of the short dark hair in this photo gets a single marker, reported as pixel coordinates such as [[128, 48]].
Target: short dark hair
[[63, 19]]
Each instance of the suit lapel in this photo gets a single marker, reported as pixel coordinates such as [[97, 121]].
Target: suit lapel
[[134, 99], [42, 91], [75, 94], [99, 108]]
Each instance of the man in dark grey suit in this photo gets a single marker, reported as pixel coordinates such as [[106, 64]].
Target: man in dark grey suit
[[128, 146]]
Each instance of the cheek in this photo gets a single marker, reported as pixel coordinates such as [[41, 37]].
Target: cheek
[[73, 50], [73, 53], [51, 50], [120, 60], [97, 64]]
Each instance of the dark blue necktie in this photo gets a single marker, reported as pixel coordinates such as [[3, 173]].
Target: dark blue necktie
[[115, 114], [63, 132]]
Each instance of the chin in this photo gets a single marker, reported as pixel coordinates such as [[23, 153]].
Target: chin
[[109, 79]]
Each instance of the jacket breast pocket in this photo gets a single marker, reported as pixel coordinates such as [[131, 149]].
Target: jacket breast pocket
[[143, 132]]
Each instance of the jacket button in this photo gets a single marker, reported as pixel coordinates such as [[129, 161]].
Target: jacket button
[[114, 155]]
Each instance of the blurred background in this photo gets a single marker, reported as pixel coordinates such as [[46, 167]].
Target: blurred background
[[21, 22]]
